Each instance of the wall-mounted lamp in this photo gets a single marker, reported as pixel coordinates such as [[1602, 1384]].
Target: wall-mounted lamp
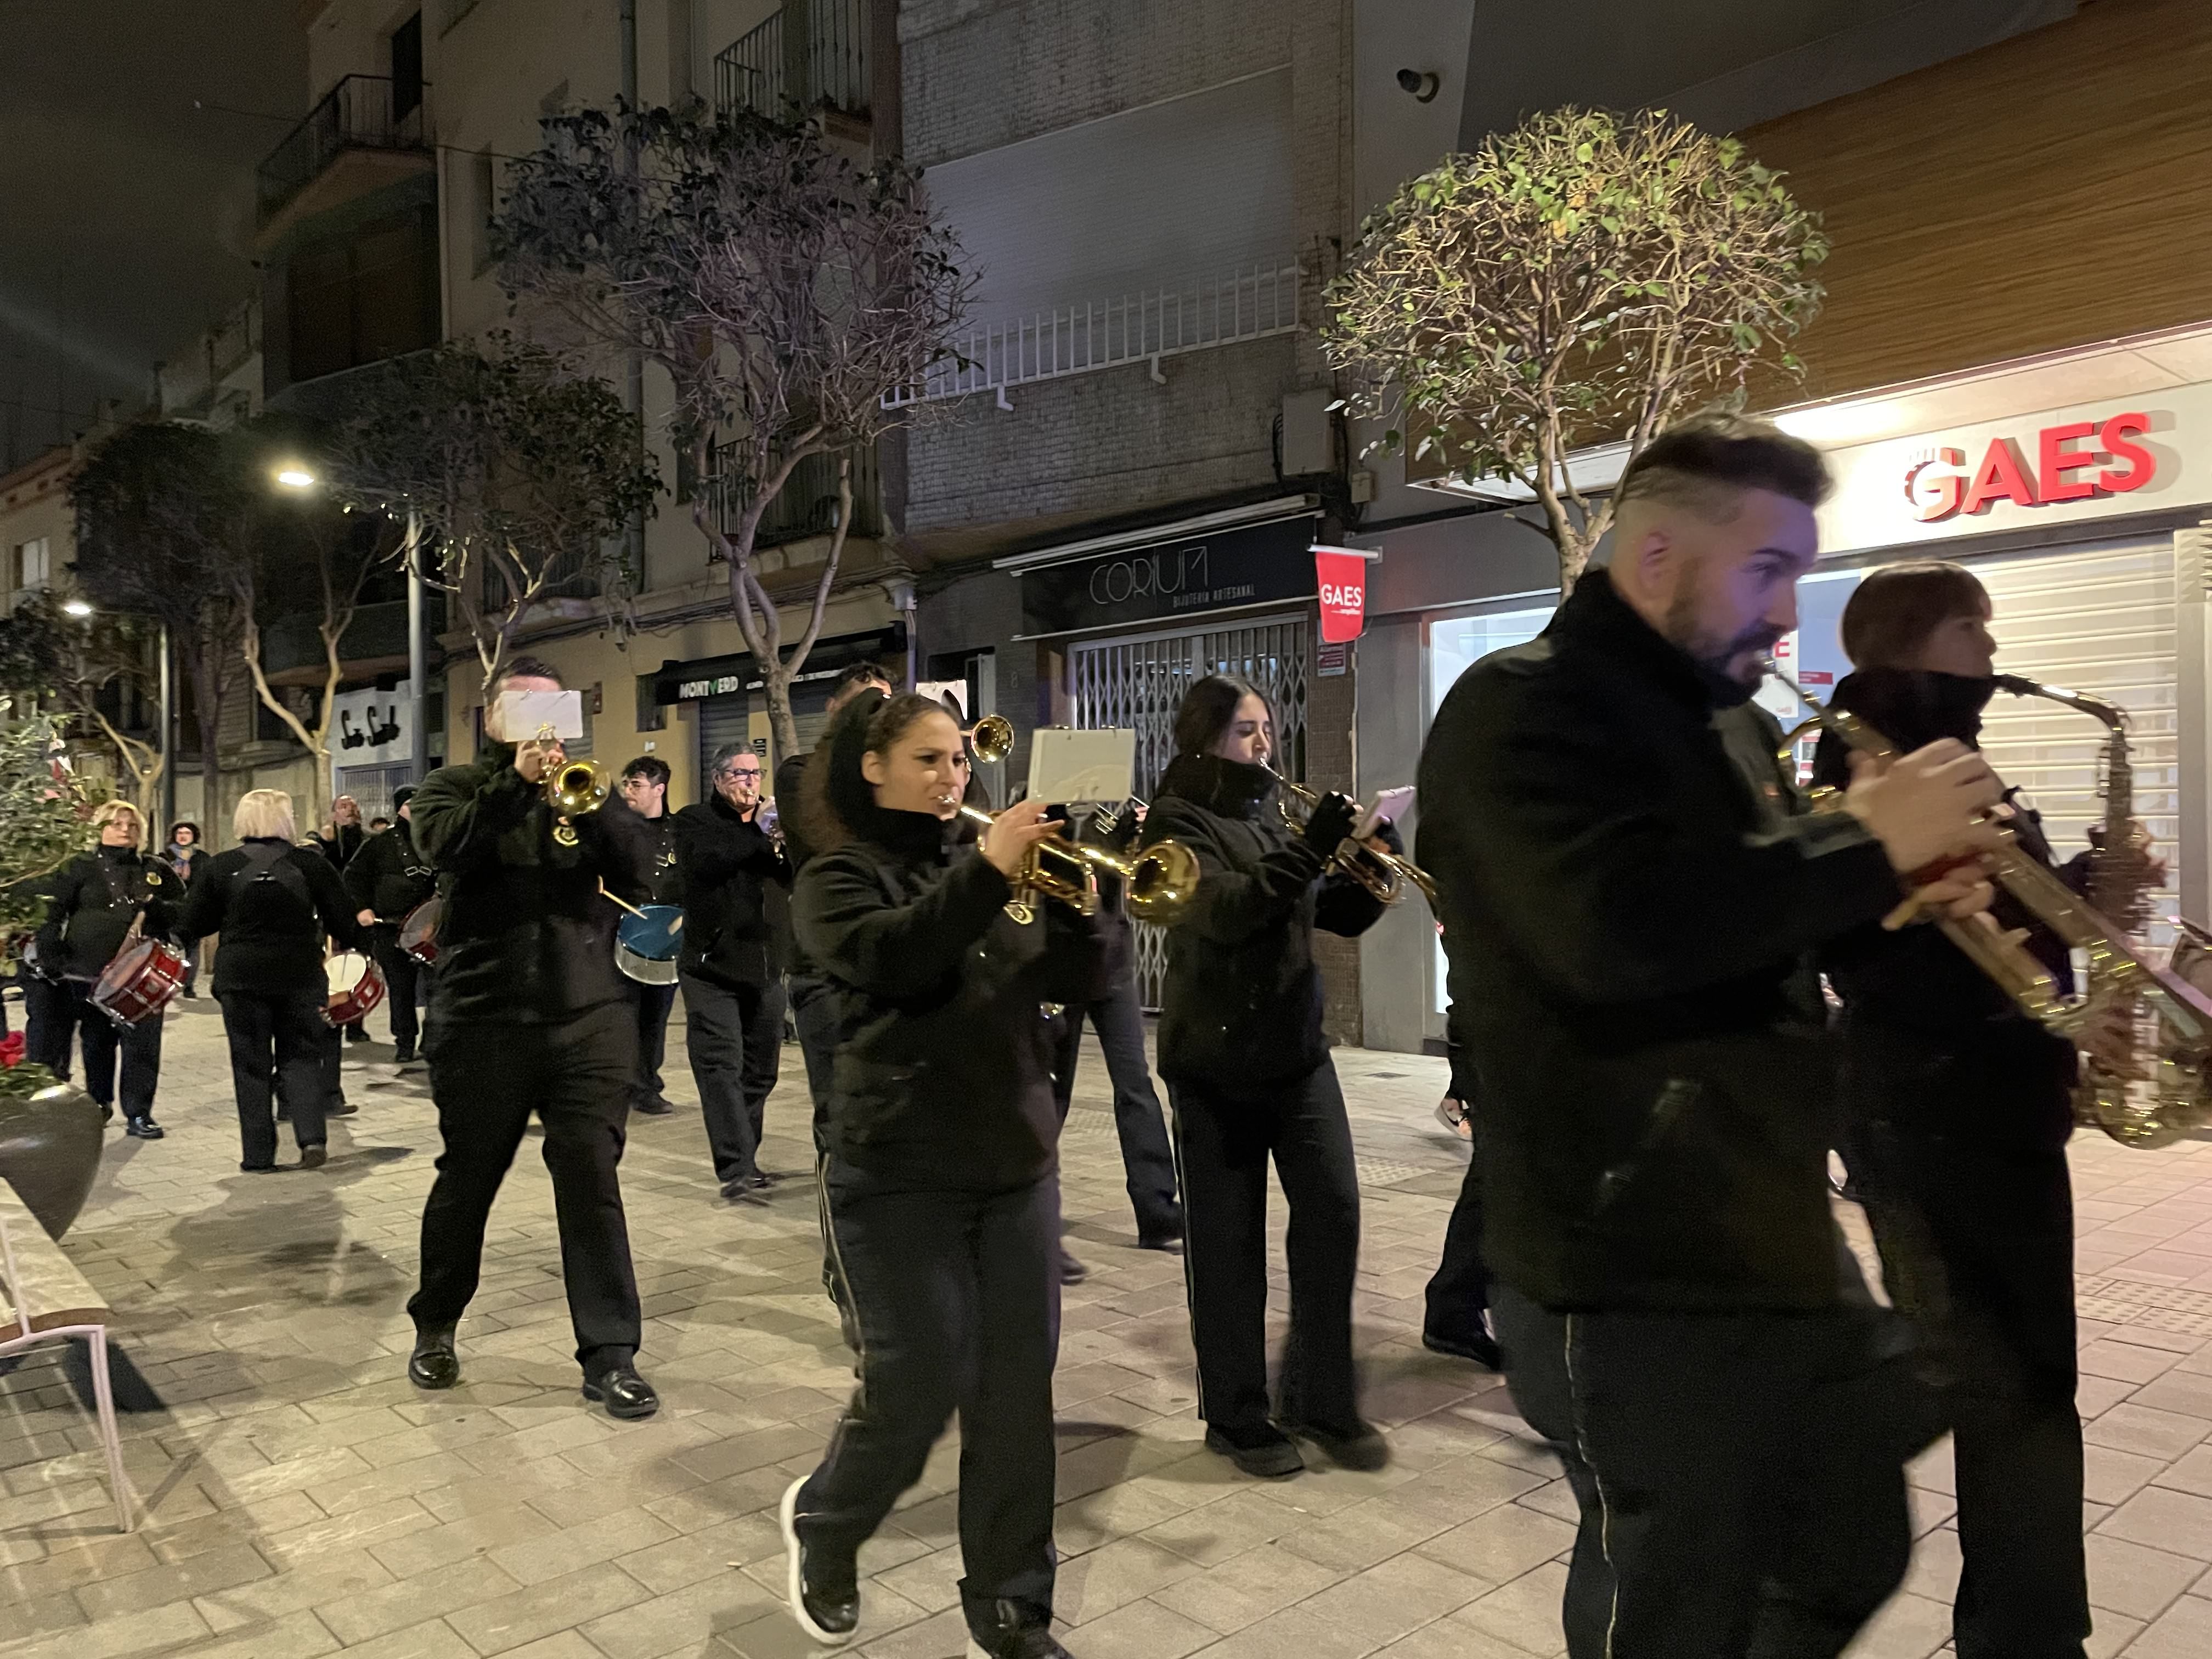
[[1424, 84]]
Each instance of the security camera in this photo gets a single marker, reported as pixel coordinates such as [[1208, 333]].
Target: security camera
[[1420, 83]]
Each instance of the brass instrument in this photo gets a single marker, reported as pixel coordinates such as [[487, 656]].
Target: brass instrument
[[573, 788], [2158, 1090], [991, 738], [1381, 872]]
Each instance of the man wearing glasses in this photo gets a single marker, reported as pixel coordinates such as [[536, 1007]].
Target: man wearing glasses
[[733, 983]]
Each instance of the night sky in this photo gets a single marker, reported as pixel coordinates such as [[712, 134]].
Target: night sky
[[126, 215]]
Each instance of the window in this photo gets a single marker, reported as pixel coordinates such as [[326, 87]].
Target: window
[[32, 567], [484, 198], [407, 68], [363, 296]]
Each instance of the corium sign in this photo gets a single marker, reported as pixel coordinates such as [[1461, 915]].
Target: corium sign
[[1255, 565]]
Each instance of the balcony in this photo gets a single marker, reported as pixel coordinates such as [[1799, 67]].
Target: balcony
[[812, 55], [807, 504], [355, 117]]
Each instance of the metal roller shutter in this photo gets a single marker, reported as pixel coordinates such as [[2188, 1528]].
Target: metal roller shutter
[[721, 719]]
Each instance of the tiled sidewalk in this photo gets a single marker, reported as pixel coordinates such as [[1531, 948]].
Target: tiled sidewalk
[[300, 1498]]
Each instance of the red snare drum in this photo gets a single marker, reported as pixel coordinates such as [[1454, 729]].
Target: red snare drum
[[418, 932], [355, 988], [141, 982]]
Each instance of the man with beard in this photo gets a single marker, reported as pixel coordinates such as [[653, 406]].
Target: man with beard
[[1628, 900], [387, 879]]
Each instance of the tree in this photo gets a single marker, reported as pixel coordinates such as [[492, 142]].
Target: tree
[[512, 472], [160, 520], [1582, 280], [789, 296], [61, 666], [43, 808]]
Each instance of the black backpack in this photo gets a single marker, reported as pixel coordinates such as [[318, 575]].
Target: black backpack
[[270, 874]]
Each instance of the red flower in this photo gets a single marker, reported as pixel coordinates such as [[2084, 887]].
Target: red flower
[[11, 1050]]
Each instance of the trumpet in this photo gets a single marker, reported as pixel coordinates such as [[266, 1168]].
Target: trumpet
[[573, 788], [1382, 872], [991, 738], [1156, 883]]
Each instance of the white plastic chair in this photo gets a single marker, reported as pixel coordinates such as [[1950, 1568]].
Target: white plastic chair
[[48, 1300]]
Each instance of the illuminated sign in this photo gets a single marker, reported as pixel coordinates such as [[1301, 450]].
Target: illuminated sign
[[2071, 462]]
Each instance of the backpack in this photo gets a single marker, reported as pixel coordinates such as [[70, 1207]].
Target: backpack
[[268, 873]]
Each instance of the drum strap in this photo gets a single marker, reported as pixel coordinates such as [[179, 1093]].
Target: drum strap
[[268, 862]]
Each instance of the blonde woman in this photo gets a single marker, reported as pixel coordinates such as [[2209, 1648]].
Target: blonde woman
[[94, 899], [272, 903]]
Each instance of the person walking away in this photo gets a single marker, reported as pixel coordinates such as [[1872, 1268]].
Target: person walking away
[[98, 898], [1249, 1078], [384, 881], [644, 786], [527, 1014], [273, 903], [1958, 1109], [341, 840], [733, 985], [941, 1183], [1629, 900], [186, 856], [1456, 1316]]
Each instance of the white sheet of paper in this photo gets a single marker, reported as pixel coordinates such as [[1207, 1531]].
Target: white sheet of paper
[[1067, 767], [525, 714]]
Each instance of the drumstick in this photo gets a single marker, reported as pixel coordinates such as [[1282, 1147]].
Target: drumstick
[[625, 903]]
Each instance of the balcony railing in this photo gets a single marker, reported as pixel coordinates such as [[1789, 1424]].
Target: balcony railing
[[810, 55], [807, 503], [354, 114], [1246, 305]]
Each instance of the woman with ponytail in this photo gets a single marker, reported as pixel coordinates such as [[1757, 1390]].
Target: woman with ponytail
[[940, 1177]]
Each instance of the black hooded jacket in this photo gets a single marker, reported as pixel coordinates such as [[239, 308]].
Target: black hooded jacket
[[390, 874], [1241, 1012], [1931, 1043], [1626, 911]]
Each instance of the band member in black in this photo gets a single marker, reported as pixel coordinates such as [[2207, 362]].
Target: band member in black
[[386, 879], [272, 903], [1958, 1110], [941, 1181], [1249, 1077], [1455, 1317], [644, 786], [1628, 901], [527, 1013], [187, 858], [733, 984], [97, 898], [341, 840]]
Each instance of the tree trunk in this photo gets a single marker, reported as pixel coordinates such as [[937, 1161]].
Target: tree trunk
[[782, 724]]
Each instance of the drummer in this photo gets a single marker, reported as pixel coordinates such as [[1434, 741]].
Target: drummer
[[96, 899], [272, 903], [386, 880], [645, 788]]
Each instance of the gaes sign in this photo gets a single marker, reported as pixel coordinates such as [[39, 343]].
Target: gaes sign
[[1341, 574], [1937, 484]]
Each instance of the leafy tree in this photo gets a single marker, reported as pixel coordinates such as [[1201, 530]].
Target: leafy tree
[[43, 808], [789, 294], [61, 666], [512, 473], [1582, 280]]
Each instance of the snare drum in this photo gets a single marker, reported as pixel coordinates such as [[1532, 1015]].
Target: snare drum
[[140, 981], [647, 944], [355, 988], [418, 931]]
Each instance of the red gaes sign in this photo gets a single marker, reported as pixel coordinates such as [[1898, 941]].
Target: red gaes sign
[[2069, 463], [1343, 578]]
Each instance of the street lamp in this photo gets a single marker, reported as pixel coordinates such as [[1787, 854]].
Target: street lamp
[[295, 477], [77, 608]]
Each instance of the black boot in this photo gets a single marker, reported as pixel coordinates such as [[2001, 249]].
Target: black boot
[[434, 1365], [142, 1127], [823, 1591], [1013, 1630], [617, 1386]]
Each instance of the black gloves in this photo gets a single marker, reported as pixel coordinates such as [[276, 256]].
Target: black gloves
[[1330, 823]]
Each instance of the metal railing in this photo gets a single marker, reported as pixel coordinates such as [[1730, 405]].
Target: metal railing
[[1245, 304], [354, 114], [807, 503], [820, 60]]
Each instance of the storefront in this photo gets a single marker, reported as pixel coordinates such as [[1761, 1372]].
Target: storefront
[[729, 698], [2082, 519]]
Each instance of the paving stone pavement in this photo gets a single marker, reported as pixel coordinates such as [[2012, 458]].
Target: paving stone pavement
[[299, 1498]]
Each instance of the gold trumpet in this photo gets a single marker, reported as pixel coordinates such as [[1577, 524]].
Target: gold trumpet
[[573, 788], [991, 738], [1382, 872]]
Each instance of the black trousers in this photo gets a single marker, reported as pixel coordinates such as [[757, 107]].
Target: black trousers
[[49, 1023], [814, 1010], [1223, 1144], [956, 1299], [734, 1039], [1977, 1241], [326, 1084], [487, 1077], [138, 1047], [403, 988], [1147, 1161], [283, 1038], [1740, 1477], [653, 1004], [1459, 1289]]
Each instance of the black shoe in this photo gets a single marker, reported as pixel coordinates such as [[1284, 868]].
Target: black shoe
[[1013, 1630], [314, 1156], [1071, 1272], [766, 1177], [1356, 1446], [434, 1365], [343, 1109], [142, 1128], [1169, 1243], [742, 1191], [406, 1055], [1477, 1345], [626, 1395], [354, 1034], [1265, 1451], [652, 1106], [823, 1597], [256, 1168], [191, 995]]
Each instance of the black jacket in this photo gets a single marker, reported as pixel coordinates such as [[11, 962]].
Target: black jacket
[[343, 845], [390, 875], [273, 930], [93, 899], [526, 936], [1626, 920], [726, 863], [1930, 1042], [943, 1068], [666, 885], [1242, 1009]]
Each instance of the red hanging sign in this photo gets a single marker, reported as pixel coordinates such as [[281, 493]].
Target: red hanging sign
[[1343, 579]]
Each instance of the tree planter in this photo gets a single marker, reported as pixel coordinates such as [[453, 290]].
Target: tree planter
[[50, 1147]]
